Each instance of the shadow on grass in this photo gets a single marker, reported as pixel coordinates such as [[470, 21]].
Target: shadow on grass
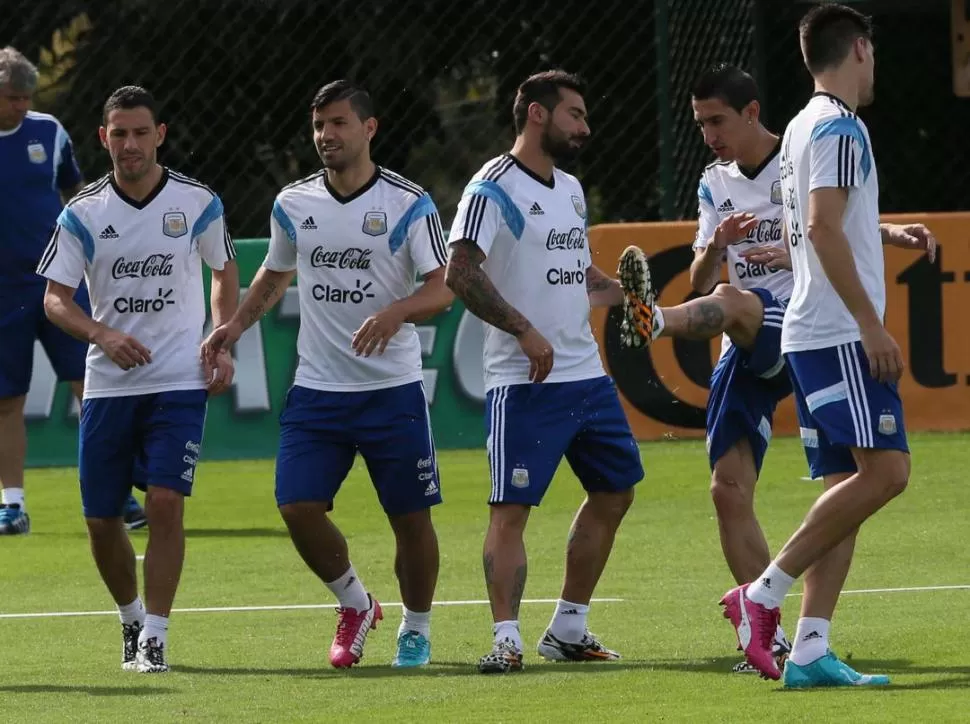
[[236, 533], [81, 689]]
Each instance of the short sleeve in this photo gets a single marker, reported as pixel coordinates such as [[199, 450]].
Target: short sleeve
[[707, 218], [421, 227], [212, 235], [70, 248], [67, 171], [281, 255], [839, 154], [484, 206]]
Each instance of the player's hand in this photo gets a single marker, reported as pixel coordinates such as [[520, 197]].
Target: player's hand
[[539, 352], [885, 358], [219, 372], [772, 257], [912, 236], [221, 339], [734, 229], [124, 351], [376, 332]]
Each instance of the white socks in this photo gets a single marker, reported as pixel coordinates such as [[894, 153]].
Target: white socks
[[350, 591], [771, 587], [658, 321], [508, 630], [13, 496], [569, 621], [156, 627], [811, 640], [415, 621], [133, 612]]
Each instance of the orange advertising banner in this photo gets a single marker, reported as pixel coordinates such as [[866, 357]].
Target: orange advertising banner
[[664, 388]]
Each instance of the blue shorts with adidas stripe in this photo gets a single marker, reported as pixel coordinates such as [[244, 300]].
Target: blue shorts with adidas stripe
[[532, 426], [840, 407], [746, 387], [321, 433], [144, 440]]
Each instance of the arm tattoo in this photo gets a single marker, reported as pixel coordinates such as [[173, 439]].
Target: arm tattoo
[[488, 563], [267, 299], [706, 320], [518, 588], [597, 283], [470, 284]]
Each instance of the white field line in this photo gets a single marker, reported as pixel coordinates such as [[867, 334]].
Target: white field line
[[292, 607], [909, 589]]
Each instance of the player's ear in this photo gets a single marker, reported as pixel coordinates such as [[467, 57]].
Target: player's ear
[[370, 128], [537, 112], [162, 129], [752, 112], [103, 136]]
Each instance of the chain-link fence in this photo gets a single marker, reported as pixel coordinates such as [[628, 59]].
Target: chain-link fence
[[235, 78]]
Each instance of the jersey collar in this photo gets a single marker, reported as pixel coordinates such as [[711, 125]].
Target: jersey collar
[[752, 174], [834, 98], [550, 184], [358, 193], [145, 201]]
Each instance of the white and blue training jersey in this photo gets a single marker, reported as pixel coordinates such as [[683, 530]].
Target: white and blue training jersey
[[827, 146], [354, 256], [142, 261], [534, 236]]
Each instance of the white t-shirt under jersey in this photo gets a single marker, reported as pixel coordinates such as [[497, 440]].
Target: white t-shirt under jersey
[[827, 146], [725, 188], [354, 256], [534, 236], [143, 266]]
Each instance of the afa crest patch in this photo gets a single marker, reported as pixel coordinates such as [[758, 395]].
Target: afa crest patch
[[375, 223], [174, 224], [520, 478], [36, 152], [776, 192], [579, 206]]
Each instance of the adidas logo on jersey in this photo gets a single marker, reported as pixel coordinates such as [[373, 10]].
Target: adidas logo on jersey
[[536, 210], [108, 232], [432, 489], [308, 223], [725, 207]]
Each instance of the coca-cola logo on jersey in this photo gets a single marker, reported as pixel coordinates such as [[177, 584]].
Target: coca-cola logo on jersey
[[766, 232], [560, 240], [153, 265], [351, 258]]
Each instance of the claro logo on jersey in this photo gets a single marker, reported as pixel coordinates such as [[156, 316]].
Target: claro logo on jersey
[[153, 265], [351, 258], [141, 305], [562, 240], [336, 295], [559, 276]]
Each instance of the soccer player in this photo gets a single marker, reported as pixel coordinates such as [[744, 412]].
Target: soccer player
[[139, 236], [520, 261], [740, 219], [843, 363], [38, 173], [356, 236]]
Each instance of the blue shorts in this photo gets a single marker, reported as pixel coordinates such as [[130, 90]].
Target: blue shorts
[[530, 427], [321, 432], [139, 440], [746, 387], [22, 323], [840, 407]]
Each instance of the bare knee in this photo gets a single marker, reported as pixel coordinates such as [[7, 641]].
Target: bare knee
[[412, 525], [611, 506], [12, 407], [892, 467], [732, 495], [164, 507], [507, 520], [299, 513], [104, 528]]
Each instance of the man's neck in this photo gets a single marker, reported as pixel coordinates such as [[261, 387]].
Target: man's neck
[[845, 90], [533, 158], [762, 147], [140, 189], [351, 179]]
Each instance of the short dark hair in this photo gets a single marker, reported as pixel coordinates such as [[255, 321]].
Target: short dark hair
[[344, 90], [543, 88], [128, 97], [727, 83], [827, 33]]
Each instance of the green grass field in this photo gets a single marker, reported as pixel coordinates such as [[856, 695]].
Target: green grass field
[[271, 665]]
